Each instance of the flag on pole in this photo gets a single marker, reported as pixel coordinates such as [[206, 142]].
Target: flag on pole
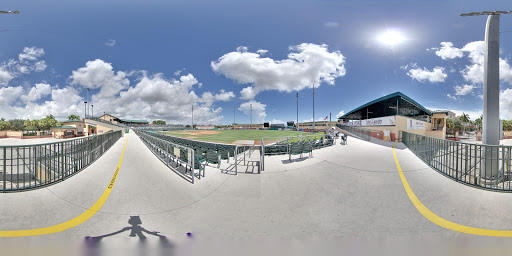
[[326, 118]]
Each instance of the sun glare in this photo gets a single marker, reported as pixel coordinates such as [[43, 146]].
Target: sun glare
[[391, 37]]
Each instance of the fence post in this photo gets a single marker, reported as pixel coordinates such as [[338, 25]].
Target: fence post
[[4, 174]]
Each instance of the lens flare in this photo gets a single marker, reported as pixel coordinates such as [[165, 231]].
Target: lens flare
[[391, 37]]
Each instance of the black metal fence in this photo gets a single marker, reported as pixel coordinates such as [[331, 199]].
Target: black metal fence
[[483, 166], [24, 167], [365, 134]]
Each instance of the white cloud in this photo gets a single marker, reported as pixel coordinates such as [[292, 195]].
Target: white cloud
[[277, 121], [155, 97], [28, 61], [100, 74], [422, 74], [447, 51], [30, 54], [9, 95], [451, 97], [178, 72], [474, 72], [258, 110], [209, 97], [464, 89], [309, 64], [506, 104], [5, 77], [37, 92], [110, 42], [341, 113], [247, 93], [261, 52]]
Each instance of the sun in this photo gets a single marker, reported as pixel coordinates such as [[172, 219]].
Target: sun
[[391, 37]]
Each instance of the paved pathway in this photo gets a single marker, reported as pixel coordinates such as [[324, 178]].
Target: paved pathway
[[345, 191]]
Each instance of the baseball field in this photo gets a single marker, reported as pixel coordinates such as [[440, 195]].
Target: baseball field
[[234, 136]]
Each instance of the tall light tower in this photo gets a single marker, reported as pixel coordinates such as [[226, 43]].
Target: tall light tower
[[297, 111], [313, 106], [491, 111], [251, 117], [85, 109], [88, 102]]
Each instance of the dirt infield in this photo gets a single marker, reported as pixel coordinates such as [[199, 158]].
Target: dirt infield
[[200, 132]]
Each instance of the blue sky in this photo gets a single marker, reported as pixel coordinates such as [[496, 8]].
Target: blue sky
[[155, 59]]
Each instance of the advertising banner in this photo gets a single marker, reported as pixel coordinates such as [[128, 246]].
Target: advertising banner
[[413, 124], [379, 121]]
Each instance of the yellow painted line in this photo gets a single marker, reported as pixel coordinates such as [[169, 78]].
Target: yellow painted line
[[440, 221], [75, 221]]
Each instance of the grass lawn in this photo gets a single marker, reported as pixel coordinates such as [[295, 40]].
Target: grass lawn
[[230, 136]]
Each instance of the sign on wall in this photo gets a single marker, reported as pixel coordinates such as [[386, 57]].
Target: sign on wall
[[413, 124], [379, 121]]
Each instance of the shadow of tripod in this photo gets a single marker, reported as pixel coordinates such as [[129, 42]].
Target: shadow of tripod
[[136, 230]]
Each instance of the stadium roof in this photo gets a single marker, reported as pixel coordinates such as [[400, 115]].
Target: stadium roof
[[134, 121], [386, 106]]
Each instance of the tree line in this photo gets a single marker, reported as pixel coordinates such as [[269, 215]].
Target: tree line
[[458, 123], [33, 125]]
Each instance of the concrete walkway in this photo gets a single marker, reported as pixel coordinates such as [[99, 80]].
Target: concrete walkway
[[344, 191]]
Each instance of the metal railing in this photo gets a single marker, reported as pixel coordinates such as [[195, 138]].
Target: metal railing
[[24, 167], [365, 134], [242, 152], [483, 166], [180, 159]]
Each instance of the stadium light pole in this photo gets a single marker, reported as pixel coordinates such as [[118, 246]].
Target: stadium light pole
[[92, 108], [491, 111], [234, 111], [313, 106], [86, 103], [251, 116], [192, 116], [85, 109], [297, 110]]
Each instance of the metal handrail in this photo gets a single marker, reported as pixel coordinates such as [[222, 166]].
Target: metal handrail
[[479, 165], [144, 135], [44, 164]]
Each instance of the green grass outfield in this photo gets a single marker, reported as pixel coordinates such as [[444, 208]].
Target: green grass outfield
[[230, 136]]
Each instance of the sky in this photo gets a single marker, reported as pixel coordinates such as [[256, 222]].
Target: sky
[[158, 59]]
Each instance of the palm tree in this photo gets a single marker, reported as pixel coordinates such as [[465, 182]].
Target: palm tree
[[73, 117], [450, 123], [478, 122], [464, 117]]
